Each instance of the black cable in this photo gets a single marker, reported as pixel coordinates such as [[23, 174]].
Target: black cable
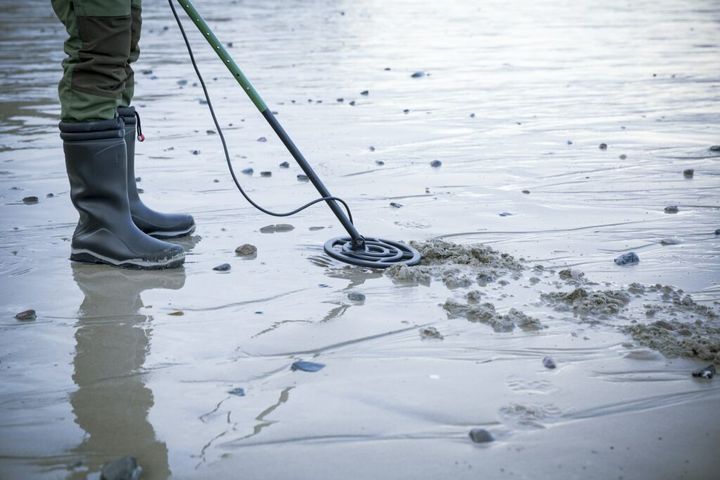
[[224, 144]]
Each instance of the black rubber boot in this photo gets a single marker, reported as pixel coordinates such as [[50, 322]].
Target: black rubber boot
[[95, 158], [160, 225]]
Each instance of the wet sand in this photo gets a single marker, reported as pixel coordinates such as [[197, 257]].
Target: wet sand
[[516, 98]]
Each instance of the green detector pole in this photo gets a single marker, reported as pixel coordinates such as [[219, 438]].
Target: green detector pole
[[357, 240]]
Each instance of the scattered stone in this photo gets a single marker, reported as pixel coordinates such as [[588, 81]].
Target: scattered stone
[[569, 275], [622, 156], [706, 373], [248, 171], [26, 315], [125, 468], [430, 333], [672, 209], [340, 100], [302, 178], [356, 297], [284, 165], [505, 214], [629, 258], [717, 231], [203, 101], [182, 82], [379, 162], [371, 148], [365, 92], [195, 152], [548, 362], [352, 103], [278, 228], [238, 392], [602, 146], [262, 139], [689, 172], [31, 200], [316, 228], [224, 267], [307, 366], [435, 163], [480, 435], [246, 250], [50, 195], [526, 192], [418, 75], [472, 115], [670, 241], [406, 111], [210, 132], [266, 174], [715, 148], [569, 142], [395, 205], [177, 313]]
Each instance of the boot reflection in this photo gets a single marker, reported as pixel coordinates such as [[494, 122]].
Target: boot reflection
[[112, 402]]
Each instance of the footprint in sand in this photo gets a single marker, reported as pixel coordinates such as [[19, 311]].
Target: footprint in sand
[[528, 415]]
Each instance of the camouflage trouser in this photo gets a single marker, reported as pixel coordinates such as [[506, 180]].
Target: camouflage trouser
[[102, 45]]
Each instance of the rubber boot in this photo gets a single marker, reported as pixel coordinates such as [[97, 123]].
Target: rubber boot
[[159, 225], [95, 158]]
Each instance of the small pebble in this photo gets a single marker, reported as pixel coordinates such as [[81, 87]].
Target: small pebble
[[602, 146], [248, 171], [280, 227], [418, 75], [32, 200], [480, 435], [622, 157], [396, 205], [526, 192], [717, 231], [26, 316], [266, 174], [430, 332], [195, 152], [125, 468], [365, 92], [548, 362], [262, 139], [50, 195], [706, 373], [182, 82], [670, 241], [284, 165], [379, 162], [569, 142], [340, 100], [246, 250], [222, 267], [210, 132], [672, 209], [689, 173], [302, 178], [505, 214], [715, 148], [629, 258], [352, 103], [406, 111], [238, 391], [472, 115], [138, 179], [307, 366], [435, 163], [356, 297], [372, 149]]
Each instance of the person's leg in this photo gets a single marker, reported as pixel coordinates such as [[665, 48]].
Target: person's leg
[[97, 48], [160, 225], [94, 77]]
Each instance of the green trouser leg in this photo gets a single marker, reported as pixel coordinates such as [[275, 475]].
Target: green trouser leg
[[136, 25], [98, 49]]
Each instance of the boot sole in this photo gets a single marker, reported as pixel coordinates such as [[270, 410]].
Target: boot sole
[[175, 234], [87, 256]]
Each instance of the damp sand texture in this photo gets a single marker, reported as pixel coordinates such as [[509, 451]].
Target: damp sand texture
[[541, 141]]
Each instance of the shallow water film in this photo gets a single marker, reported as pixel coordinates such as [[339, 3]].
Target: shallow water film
[[523, 146]]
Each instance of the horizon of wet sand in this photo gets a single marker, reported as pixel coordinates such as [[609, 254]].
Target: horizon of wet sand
[[518, 97]]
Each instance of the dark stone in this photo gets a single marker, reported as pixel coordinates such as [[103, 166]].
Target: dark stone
[[372, 149], [689, 173], [622, 156], [262, 139], [435, 163], [379, 162], [222, 268], [302, 178], [266, 174], [526, 192], [31, 200], [406, 111], [50, 195], [396, 205], [629, 258], [284, 165], [418, 75], [480, 435], [672, 209], [307, 366], [706, 373], [26, 316], [238, 391], [352, 103], [715, 148], [340, 100], [602, 146], [246, 250], [195, 152], [182, 82], [505, 214], [548, 362], [280, 227], [472, 115], [125, 468], [717, 231], [248, 171], [210, 132], [356, 297], [365, 92]]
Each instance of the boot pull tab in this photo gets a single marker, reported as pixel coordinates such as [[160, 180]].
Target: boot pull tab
[[140, 135]]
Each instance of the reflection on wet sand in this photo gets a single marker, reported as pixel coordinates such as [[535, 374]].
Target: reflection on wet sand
[[112, 402]]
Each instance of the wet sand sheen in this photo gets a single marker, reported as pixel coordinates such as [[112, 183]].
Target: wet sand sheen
[[109, 368]]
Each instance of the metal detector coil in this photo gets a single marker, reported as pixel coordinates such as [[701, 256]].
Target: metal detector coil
[[355, 249]]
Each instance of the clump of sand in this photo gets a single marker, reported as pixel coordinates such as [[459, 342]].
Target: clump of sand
[[486, 313], [677, 339], [584, 303]]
